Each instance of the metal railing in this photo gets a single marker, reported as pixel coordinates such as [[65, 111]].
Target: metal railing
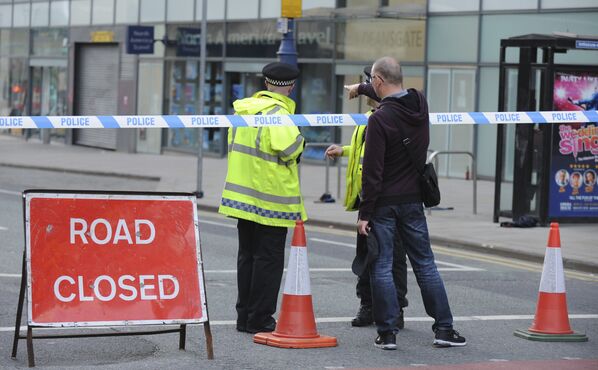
[[327, 197], [474, 175]]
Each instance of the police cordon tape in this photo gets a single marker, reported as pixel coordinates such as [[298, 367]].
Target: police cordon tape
[[312, 120]]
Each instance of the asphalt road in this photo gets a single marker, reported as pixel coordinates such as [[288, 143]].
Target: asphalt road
[[490, 297]]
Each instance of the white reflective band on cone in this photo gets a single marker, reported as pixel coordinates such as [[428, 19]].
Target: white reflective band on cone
[[297, 280], [553, 277]]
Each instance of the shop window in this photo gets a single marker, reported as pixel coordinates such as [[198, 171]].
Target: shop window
[[270, 8], [180, 10], [19, 42], [59, 13], [49, 42], [153, 10], [453, 6], [215, 10], [183, 98], [20, 15], [80, 12], [19, 87], [5, 15], [458, 45], [150, 87], [315, 39], [452, 90], [242, 9], [510, 4], [39, 14], [559, 4], [102, 12], [493, 30], [127, 11], [316, 97], [4, 86]]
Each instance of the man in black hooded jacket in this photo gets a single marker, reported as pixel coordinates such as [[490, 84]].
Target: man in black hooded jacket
[[392, 202]]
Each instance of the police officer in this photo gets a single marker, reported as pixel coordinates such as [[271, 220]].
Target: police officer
[[355, 153], [262, 192]]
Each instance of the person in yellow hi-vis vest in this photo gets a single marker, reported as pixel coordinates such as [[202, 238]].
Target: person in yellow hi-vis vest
[[355, 153], [262, 191]]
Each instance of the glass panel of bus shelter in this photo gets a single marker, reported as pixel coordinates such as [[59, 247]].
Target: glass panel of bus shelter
[[506, 194]]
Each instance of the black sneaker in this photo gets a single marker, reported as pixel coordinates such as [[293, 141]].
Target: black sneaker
[[401, 320], [364, 317], [264, 329], [449, 338], [386, 341]]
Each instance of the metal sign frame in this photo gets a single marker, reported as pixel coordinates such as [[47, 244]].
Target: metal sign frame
[[26, 281]]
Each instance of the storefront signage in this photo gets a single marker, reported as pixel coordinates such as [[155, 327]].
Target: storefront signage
[[188, 42], [252, 39], [403, 39], [113, 259], [140, 40], [574, 159], [102, 36]]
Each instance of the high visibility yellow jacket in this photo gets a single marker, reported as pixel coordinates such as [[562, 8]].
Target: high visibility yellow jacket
[[354, 167], [262, 182]]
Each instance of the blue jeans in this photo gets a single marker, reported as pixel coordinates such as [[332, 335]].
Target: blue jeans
[[410, 222]]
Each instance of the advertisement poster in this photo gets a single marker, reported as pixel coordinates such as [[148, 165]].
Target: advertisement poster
[[574, 165]]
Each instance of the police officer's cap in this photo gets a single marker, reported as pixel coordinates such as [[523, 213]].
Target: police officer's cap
[[280, 74]]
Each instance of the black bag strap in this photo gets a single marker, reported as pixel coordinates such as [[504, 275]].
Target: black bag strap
[[406, 141]]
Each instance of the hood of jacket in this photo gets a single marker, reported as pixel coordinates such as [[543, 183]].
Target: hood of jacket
[[413, 107], [261, 101]]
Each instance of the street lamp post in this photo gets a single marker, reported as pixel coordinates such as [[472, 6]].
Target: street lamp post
[[287, 53]]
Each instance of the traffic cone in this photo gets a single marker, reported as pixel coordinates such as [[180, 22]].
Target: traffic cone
[[296, 326], [551, 322]]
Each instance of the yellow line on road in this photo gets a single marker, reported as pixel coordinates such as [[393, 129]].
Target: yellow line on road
[[509, 262]]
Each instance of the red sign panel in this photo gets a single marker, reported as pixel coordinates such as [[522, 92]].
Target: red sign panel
[[113, 259]]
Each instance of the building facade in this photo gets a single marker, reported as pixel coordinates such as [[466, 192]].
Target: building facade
[[62, 57]]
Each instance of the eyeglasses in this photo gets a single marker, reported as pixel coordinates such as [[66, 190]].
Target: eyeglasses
[[378, 77]]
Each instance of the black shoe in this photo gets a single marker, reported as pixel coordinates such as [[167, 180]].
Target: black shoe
[[241, 328], [449, 338], [364, 317], [264, 329], [386, 341], [401, 320]]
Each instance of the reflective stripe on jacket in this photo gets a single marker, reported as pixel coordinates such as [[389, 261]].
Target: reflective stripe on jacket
[[262, 181], [354, 166]]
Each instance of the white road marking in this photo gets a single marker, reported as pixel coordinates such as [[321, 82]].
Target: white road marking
[[9, 192], [452, 266], [348, 319], [10, 275], [203, 221], [314, 269], [2, 228], [348, 245]]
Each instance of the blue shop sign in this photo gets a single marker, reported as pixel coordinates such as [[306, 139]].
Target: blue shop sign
[[188, 42], [140, 40]]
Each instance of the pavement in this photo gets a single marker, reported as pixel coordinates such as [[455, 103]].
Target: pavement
[[455, 225]]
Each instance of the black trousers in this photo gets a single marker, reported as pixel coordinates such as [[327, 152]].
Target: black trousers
[[399, 275], [260, 264]]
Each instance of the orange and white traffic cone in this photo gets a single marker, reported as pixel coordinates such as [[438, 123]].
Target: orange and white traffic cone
[[296, 326], [551, 322]]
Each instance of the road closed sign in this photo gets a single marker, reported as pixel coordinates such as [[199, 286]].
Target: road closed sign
[[113, 259]]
